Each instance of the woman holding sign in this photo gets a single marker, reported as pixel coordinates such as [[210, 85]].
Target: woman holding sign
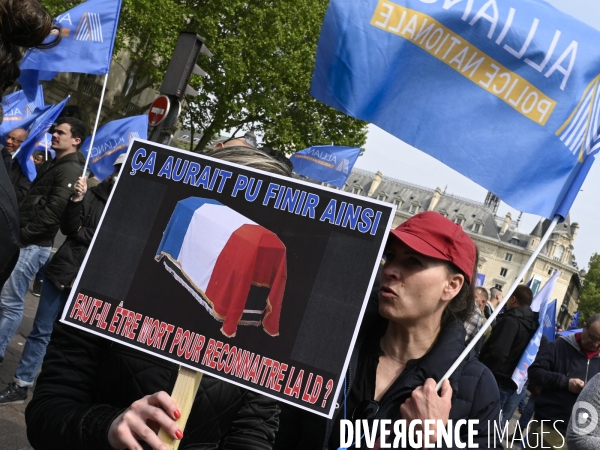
[[96, 394], [409, 338]]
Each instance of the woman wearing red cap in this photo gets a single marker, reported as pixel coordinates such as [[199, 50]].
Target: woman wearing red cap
[[410, 336]]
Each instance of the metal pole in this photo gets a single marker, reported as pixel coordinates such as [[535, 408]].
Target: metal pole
[[488, 323], [87, 159]]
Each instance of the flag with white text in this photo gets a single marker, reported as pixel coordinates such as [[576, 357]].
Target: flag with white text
[[19, 112], [326, 163], [506, 93]]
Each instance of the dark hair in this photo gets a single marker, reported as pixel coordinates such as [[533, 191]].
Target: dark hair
[[592, 319], [77, 127], [462, 306], [23, 24], [523, 295]]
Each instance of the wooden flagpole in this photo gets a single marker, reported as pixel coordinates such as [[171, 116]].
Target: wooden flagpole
[[184, 393], [87, 160], [489, 321]]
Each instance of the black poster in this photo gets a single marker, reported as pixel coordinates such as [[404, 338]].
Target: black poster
[[257, 279]]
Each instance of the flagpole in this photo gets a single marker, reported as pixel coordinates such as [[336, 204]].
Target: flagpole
[[87, 160], [489, 321]]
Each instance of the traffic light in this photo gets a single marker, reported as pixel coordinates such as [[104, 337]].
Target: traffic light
[[183, 65]]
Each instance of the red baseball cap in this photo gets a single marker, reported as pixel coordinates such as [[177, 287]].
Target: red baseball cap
[[431, 234]]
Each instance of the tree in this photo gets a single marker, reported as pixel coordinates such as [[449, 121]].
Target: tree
[[259, 76], [589, 300]]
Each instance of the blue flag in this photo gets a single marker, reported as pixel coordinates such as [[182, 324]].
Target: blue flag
[[575, 321], [506, 93], [88, 36], [326, 163], [550, 321], [540, 303], [37, 131], [44, 144], [19, 112], [111, 141]]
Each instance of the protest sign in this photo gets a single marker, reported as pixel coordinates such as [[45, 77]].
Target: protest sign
[[257, 279]]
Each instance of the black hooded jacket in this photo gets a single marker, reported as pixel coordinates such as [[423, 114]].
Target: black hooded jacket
[[79, 222], [475, 394], [505, 346]]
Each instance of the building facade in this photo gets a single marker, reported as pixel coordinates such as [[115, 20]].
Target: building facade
[[503, 247]]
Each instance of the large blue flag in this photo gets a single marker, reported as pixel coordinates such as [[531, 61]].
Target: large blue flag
[[550, 321], [20, 112], [111, 141], [326, 163], [37, 131], [505, 92], [88, 36], [542, 302]]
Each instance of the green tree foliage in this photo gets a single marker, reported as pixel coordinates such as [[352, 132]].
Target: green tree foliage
[[258, 78], [589, 300]]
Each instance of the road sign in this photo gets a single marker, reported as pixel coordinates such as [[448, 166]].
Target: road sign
[[159, 110]]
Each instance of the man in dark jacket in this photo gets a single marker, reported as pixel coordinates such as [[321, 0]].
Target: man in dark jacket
[[562, 369], [509, 338], [79, 222], [19, 180], [41, 212]]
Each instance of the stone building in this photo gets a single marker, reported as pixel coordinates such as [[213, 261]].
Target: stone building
[[503, 247]]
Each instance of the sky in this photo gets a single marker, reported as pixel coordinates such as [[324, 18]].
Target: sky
[[398, 160]]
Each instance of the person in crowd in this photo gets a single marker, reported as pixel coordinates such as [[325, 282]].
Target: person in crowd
[[41, 212], [411, 334], [25, 24], [19, 180], [507, 342], [493, 302], [583, 431], [114, 397], [562, 370], [78, 223], [481, 298], [473, 324]]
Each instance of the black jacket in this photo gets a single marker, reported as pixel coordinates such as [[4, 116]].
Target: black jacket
[[19, 181], [505, 346], [554, 365], [475, 394], [87, 381], [42, 209], [9, 226], [6, 158], [78, 223]]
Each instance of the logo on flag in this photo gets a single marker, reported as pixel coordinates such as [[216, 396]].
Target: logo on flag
[[89, 28], [29, 109], [580, 132], [134, 135], [343, 166]]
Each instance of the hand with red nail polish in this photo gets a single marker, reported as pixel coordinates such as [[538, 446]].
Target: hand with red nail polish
[[142, 420]]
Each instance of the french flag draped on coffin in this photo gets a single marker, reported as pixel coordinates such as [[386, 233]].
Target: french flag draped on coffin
[[218, 254]]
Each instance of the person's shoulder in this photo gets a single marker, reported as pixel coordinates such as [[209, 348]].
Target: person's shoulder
[[476, 375]]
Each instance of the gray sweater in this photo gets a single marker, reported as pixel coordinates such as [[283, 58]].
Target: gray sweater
[[583, 432]]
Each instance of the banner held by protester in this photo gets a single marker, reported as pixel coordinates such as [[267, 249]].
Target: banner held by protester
[[330, 164], [88, 36], [504, 93], [232, 271], [20, 112], [112, 140]]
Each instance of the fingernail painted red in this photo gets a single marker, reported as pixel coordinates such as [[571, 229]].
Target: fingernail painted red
[[177, 414], [179, 434]]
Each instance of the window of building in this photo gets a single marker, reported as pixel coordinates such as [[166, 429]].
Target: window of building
[[514, 240], [443, 212], [498, 286], [356, 190], [460, 220], [503, 272], [397, 201], [477, 227], [550, 271], [381, 196], [508, 256], [414, 208], [559, 252]]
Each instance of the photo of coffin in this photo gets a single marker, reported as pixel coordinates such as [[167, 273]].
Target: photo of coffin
[[218, 255]]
